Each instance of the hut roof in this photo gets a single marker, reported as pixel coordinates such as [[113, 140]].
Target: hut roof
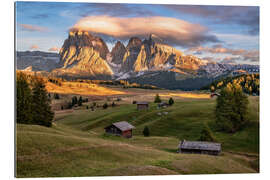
[[142, 102], [123, 125], [200, 145]]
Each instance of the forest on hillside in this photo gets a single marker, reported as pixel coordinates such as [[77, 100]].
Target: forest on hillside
[[250, 83]]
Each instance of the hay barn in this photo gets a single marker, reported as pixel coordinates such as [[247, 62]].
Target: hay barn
[[142, 105], [121, 128], [199, 147]]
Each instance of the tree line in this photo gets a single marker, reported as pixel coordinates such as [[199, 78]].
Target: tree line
[[250, 83], [32, 102]]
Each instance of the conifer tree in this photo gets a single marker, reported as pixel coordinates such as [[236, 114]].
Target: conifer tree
[[146, 131], [232, 108], [42, 114], [206, 135], [157, 99], [80, 101], [24, 100], [171, 101]]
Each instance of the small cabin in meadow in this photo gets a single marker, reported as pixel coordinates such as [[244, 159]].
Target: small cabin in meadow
[[121, 128], [142, 105], [163, 105], [199, 147]]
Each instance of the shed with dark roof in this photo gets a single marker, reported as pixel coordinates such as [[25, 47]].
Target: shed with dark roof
[[121, 128], [142, 105], [199, 147]]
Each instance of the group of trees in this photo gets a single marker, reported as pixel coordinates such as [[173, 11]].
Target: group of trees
[[231, 111], [76, 101], [250, 83], [33, 102], [56, 81], [158, 100]]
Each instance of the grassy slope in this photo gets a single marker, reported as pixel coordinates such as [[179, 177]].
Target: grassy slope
[[76, 145]]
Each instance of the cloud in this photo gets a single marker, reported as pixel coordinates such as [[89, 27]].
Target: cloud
[[29, 27], [217, 49], [238, 54], [252, 56], [33, 47], [173, 31], [55, 49], [115, 9], [230, 60], [247, 16]]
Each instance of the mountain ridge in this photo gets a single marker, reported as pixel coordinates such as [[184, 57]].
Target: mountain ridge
[[88, 56]]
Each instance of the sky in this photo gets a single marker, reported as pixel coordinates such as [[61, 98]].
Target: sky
[[227, 34]]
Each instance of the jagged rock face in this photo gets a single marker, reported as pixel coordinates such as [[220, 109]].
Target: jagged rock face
[[118, 52], [133, 49], [152, 54], [85, 54]]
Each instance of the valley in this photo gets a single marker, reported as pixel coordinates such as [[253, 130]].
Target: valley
[[76, 145]]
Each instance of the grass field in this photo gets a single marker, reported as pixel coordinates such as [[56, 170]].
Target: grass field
[[77, 146]]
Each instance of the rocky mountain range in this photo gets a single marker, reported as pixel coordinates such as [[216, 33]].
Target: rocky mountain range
[[87, 56], [37, 60]]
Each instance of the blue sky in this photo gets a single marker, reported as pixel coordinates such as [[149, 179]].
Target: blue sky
[[228, 34]]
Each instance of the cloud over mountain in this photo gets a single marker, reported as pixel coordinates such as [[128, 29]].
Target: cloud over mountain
[[247, 16], [246, 55], [34, 47], [29, 27], [173, 31], [55, 49]]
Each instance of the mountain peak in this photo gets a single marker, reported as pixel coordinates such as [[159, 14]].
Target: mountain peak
[[134, 42], [118, 52]]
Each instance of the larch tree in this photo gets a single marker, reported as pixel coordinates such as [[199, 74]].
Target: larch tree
[[231, 108], [42, 113], [24, 100]]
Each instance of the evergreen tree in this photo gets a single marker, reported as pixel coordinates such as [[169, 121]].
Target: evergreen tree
[[105, 105], [206, 135], [171, 101], [42, 114], [146, 131], [80, 101], [157, 99], [24, 100], [56, 96], [74, 100], [232, 108]]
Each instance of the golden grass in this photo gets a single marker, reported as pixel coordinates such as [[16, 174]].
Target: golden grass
[[81, 89], [187, 95]]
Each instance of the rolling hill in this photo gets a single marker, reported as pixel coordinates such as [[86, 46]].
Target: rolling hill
[[77, 146]]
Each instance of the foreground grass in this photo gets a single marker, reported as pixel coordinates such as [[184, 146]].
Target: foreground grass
[[51, 152], [77, 146]]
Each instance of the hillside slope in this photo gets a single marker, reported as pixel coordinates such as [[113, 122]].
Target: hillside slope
[[64, 152], [76, 144]]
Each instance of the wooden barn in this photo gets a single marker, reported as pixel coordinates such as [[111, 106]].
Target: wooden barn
[[142, 105], [121, 128], [163, 105], [199, 147]]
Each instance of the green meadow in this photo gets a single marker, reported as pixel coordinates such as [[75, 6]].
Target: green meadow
[[77, 146]]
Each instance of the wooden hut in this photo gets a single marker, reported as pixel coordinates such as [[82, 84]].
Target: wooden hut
[[142, 105], [121, 128], [199, 147], [163, 105]]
